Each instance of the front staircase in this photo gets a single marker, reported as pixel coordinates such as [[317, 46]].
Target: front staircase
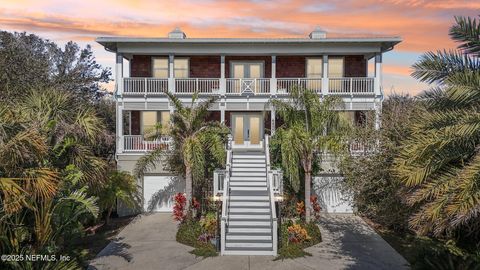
[[249, 229], [249, 224]]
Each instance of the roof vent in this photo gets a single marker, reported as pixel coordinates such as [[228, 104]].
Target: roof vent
[[318, 33], [177, 33]]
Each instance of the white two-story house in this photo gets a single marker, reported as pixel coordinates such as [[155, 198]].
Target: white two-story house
[[244, 73]]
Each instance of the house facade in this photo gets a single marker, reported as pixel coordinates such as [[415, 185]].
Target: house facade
[[244, 74]]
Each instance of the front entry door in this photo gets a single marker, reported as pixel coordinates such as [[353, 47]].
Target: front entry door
[[247, 129]]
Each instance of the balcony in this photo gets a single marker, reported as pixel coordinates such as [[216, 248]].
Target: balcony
[[352, 86], [137, 143]]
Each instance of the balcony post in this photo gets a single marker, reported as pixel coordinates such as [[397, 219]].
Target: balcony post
[[378, 74], [272, 120], [119, 128], [171, 80], [273, 79], [325, 75], [378, 110], [119, 73], [223, 81]]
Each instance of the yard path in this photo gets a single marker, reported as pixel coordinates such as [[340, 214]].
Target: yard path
[[149, 243]]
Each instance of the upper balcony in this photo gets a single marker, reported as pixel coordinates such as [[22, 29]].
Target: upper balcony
[[351, 86]]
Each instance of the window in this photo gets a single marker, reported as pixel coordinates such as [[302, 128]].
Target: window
[[180, 68], [335, 67], [160, 67], [314, 67], [151, 119]]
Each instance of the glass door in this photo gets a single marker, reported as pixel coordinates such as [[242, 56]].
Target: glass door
[[247, 129], [245, 72]]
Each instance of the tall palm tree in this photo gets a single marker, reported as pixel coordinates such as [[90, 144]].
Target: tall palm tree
[[193, 138], [312, 128], [440, 163]]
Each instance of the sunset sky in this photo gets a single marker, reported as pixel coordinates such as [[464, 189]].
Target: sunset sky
[[423, 25]]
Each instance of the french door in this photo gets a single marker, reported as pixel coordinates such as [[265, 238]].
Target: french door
[[247, 129]]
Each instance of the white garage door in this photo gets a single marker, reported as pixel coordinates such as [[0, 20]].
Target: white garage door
[[158, 192], [330, 196]]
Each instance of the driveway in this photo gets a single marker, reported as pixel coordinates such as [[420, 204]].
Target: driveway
[[149, 243]]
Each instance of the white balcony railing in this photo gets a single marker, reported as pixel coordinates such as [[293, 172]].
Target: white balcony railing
[[137, 143], [199, 85], [285, 85], [238, 86], [351, 86], [249, 86]]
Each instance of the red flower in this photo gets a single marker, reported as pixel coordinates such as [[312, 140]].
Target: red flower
[[195, 203], [179, 207]]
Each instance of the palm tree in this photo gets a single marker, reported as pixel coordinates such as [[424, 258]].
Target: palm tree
[[312, 128], [440, 161], [120, 186], [193, 138]]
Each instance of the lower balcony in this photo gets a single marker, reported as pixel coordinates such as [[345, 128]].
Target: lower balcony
[[137, 143], [353, 86]]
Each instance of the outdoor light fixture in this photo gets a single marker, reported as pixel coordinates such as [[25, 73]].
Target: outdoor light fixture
[[216, 198], [279, 198]]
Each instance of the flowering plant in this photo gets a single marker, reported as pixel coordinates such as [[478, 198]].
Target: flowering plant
[[179, 207], [195, 203], [297, 234], [316, 207], [300, 208]]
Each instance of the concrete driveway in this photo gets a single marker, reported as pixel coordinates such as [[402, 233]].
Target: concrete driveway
[[149, 243]]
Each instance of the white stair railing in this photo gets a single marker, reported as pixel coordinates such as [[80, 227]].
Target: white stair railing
[[226, 194], [270, 185]]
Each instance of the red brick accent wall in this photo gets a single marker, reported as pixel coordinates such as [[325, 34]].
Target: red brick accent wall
[[266, 59], [205, 66], [355, 66], [214, 116], [290, 66], [135, 122], [141, 66]]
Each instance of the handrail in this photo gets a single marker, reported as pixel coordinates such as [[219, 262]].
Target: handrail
[[273, 217], [226, 193]]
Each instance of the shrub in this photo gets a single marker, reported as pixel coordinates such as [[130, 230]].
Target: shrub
[[188, 232], [205, 250], [300, 209], [179, 207], [297, 234], [291, 252], [209, 224], [316, 207], [314, 232]]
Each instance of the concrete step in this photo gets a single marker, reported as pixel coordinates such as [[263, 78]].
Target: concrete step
[[248, 169], [249, 165], [248, 245], [241, 188], [260, 216], [246, 237], [248, 178], [248, 184], [249, 230], [249, 210], [247, 174], [235, 223], [248, 156], [256, 204], [249, 198]]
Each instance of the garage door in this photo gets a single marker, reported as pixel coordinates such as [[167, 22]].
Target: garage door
[[330, 197], [158, 192]]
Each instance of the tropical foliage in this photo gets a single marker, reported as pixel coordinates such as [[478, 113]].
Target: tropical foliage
[[311, 128], [195, 141], [440, 162]]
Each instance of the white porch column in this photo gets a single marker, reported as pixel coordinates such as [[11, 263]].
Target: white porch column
[[119, 74], [272, 121], [378, 74], [222, 115], [378, 111], [119, 127], [223, 81], [171, 80], [273, 79], [325, 75]]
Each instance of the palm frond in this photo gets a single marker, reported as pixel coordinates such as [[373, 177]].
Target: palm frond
[[436, 67], [467, 31]]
